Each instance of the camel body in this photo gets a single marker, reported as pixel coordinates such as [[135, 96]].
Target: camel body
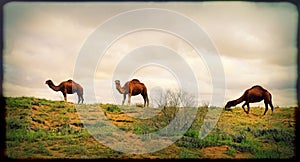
[[67, 87], [132, 88], [252, 95]]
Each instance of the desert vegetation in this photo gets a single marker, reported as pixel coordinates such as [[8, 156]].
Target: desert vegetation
[[38, 128]]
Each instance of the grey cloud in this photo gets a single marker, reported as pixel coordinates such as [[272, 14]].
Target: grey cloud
[[261, 37], [253, 31]]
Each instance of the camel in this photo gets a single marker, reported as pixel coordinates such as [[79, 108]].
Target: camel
[[132, 88], [251, 95], [68, 87]]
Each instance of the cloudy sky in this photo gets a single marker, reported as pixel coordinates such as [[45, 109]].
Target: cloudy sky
[[233, 46]]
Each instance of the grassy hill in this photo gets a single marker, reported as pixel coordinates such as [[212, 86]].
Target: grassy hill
[[40, 128]]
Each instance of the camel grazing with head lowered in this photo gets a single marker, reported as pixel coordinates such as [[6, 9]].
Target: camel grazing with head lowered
[[132, 88], [251, 95], [67, 87]]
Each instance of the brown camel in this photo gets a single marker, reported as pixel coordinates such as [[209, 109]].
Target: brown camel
[[251, 95], [67, 87], [132, 88]]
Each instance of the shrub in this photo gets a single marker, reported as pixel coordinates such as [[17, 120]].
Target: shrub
[[231, 151], [111, 108], [192, 133]]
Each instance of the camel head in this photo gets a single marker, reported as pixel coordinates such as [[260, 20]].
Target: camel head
[[230, 104], [117, 82], [49, 82]]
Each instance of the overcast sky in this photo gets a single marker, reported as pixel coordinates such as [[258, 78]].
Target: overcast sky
[[255, 43]]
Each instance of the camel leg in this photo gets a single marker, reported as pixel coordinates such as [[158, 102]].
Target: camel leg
[[124, 98], [144, 101], [248, 108], [129, 97], [266, 107], [244, 106], [145, 97], [147, 101], [78, 98], [65, 96], [271, 105], [82, 99]]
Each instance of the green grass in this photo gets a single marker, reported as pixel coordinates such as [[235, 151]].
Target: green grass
[[110, 107], [184, 154], [231, 151], [40, 128]]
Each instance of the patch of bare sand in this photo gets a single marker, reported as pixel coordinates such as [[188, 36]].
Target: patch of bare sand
[[120, 119], [220, 152], [46, 119]]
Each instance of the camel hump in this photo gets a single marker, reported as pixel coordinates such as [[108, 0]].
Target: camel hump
[[72, 81], [259, 87], [256, 86], [135, 80]]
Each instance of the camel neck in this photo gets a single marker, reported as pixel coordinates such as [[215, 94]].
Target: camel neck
[[239, 100], [120, 89], [55, 88]]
